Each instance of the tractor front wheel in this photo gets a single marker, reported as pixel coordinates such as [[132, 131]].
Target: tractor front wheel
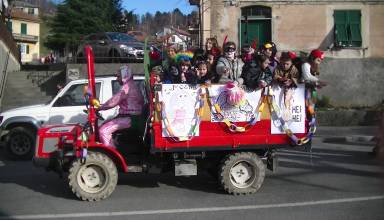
[[93, 179]]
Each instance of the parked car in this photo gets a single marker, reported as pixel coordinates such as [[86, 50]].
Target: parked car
[[18, 127], [113, 47]]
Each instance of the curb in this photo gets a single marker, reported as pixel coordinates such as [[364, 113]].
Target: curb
[[354, 139]]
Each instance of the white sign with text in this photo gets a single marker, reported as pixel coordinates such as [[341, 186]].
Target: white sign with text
[[291, 103]]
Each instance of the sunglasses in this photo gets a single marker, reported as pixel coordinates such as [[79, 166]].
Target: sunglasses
[[230, 49]]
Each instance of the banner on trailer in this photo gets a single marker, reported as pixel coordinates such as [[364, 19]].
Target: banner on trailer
[[180, 104], [234, 113], [291, 103]]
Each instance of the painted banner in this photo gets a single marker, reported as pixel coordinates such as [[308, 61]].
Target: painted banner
[[239, 113], [291, 103], [180, 104]]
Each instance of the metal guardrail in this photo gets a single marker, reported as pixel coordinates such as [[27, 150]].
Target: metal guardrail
[[4, 73], [106, 60]]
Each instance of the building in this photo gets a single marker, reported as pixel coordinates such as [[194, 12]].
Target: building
[[351, 33], [175, 36], [343, 28], [25, 26]]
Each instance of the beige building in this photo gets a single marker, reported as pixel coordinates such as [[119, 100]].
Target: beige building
[[345, 29], [25, 26]]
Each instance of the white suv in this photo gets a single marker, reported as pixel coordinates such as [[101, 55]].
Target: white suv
[[18, 127]]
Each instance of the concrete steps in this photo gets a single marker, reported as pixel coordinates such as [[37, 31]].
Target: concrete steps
[[30, 87]]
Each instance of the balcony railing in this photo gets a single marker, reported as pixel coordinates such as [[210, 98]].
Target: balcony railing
[[25, 38]]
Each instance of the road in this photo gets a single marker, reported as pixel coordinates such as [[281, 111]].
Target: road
[[334, 181]]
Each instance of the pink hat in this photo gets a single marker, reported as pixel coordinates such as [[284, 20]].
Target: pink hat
[[317, 54]]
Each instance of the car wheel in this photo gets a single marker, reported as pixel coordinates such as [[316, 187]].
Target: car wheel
[[242, 173], [20, 143], [93, 179]]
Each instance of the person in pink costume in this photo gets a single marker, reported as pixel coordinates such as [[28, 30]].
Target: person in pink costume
[[130, 101]]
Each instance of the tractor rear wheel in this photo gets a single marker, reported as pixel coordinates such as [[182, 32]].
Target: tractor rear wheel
[[241, 173], [93, 179]]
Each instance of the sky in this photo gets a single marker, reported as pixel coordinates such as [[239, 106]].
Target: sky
[[143, 6]]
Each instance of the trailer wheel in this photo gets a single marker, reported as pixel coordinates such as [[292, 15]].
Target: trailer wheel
[[242, 173], [95, 179]]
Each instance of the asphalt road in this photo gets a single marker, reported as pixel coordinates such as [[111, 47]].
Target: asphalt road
[[335, 181]]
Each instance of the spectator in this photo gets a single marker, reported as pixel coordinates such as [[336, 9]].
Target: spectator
[[310, 69], [256, 73], [229, 67], [269, 49]]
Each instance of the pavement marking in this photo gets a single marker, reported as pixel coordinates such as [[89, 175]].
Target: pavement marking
[[193, 210]]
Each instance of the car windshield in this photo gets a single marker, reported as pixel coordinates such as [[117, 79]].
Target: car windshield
[[120, 37]]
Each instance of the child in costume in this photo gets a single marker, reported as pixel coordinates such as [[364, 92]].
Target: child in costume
[[229, 67], [256, 73], [269, 49], [203, 74], [211, 64], [310, 69], [130, 101], [169, 60], [186, 74], [287, 76], [247, 53], [212, 47]]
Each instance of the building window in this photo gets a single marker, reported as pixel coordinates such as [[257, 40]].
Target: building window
[[347, 28], [257, 11], [9, 26], [23, 28], [24, 48], [31, 11]]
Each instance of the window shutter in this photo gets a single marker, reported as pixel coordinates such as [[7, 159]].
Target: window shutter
[[9, 26], [354, 18], [23, 28], [341, 33]]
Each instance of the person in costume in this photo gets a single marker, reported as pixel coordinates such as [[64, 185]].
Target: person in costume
[[310, 70], [202, 73], [256, 74], [130, 101], [212, 47], [247, 53], [229, 66], [287, 76], [269, 49], [169, 60], [186, 74]]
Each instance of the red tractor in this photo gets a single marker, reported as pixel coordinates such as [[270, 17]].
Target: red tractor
[[236, 153]]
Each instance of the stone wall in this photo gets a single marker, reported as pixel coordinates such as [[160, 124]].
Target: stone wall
[[9, 65], [79, 71], [353, 82]]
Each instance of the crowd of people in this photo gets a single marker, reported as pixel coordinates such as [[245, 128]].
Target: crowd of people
[[254, 68]]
